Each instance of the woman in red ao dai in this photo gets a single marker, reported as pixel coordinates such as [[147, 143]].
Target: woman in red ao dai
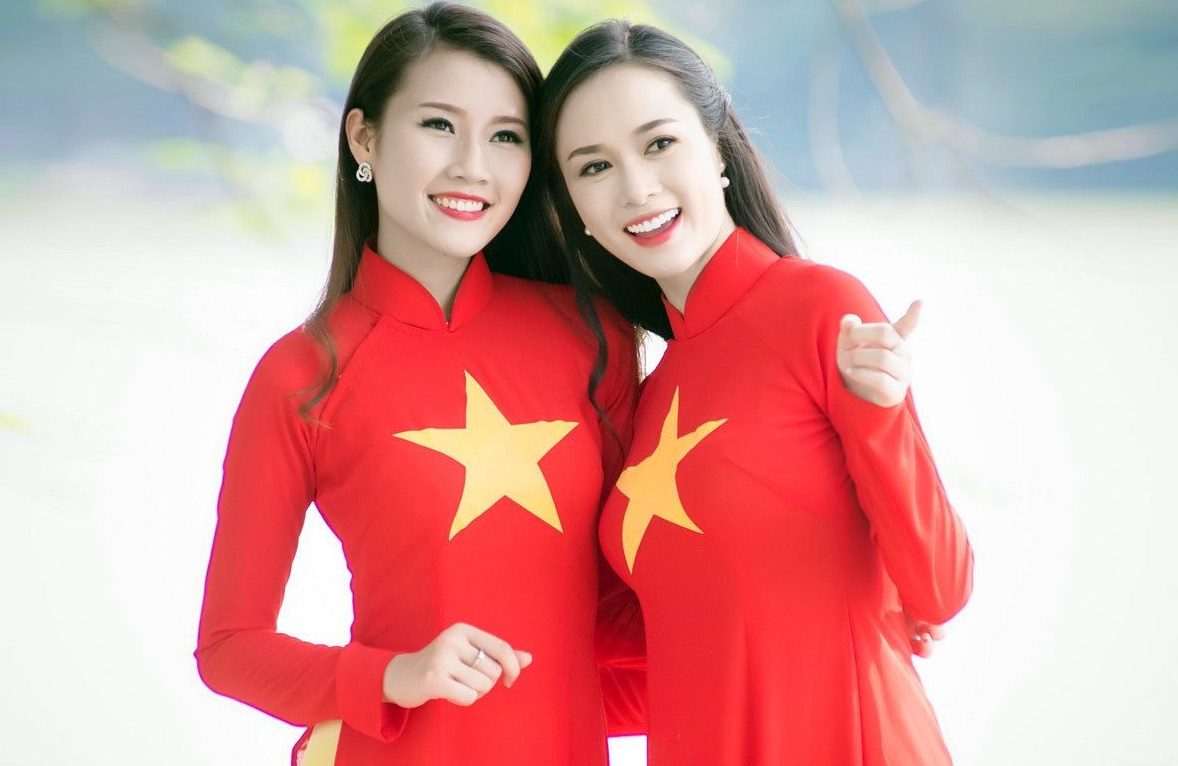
[[436, 411], [782, 533]]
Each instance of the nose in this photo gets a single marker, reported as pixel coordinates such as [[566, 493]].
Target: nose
[[470, 163], [640, 184]]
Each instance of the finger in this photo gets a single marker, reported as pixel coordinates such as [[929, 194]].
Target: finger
[[457, 692], [525, 658], [936, 632], [472, 678], [847, 326], [877, 334], [880, 360], [498, 650], [922, 647], [907, 323], [874, 386], [487, 666]]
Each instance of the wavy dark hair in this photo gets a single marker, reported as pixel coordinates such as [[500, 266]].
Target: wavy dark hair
[[523, 248], [750, 198]]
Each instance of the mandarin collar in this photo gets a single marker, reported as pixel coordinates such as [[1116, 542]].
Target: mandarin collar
[[383, 287], [734, 267]]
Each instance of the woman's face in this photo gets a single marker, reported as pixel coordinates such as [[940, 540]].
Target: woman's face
[[450, 160], [643, 173]]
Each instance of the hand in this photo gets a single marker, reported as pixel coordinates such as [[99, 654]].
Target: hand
[[461, 665], [922, 635], [874, 359]]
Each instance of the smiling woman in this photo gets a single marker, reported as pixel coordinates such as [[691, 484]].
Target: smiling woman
[[620, 172], [437, 413], [783, 534], [450, 158]]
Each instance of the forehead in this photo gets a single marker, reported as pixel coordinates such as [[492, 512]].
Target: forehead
[[460, 79], [612, 103]]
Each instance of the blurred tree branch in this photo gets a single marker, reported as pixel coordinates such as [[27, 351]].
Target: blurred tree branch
[[826, 150], [927, 125], [148, 41], [283, 97], [214, 79]]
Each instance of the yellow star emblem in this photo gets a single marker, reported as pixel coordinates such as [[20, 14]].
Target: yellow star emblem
[[501, 458], [651, 485]]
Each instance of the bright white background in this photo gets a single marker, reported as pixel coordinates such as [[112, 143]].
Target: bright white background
[[1045, 369]]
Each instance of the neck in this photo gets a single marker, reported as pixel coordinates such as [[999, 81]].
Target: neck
[[676, 288], [439, 274]]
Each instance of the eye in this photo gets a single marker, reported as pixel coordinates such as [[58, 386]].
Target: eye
[[659, 144], [595, 167], [507, 137], [438, 123]]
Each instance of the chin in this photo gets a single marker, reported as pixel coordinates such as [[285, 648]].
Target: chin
[[658, 268], [462, 247]]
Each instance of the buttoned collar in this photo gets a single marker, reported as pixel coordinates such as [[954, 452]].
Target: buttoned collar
[[736, 265], [383, 287]]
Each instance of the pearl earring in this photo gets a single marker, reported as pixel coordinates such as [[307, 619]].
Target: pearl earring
[[587, 232], [364, 173], [724, 182]]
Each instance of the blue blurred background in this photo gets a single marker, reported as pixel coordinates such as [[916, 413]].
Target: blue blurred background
[[869, 95]]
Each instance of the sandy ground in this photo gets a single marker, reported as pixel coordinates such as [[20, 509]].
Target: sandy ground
[[128, 327]]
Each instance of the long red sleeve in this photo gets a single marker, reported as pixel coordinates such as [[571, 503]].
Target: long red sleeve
[[922, 540], [268, 484]]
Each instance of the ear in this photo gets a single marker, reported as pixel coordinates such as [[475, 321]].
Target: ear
[[360, 136]]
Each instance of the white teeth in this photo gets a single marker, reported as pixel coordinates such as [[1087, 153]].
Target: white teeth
[[461, 205], [660, 220]]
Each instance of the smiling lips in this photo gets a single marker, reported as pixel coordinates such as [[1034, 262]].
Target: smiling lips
[[461, 206], [655, 229]]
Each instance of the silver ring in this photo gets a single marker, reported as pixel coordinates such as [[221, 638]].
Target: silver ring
[[478, 657]]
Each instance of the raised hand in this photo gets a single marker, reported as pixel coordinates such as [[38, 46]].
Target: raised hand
[[460, 666], [874, 359]]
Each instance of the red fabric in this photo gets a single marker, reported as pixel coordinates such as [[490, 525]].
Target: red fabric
[[392, 503], [775, 628]]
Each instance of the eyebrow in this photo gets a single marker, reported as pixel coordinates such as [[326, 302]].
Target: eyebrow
[[459, 111], [643, 128]]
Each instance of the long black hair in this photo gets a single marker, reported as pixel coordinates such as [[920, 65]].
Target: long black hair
[[749, 197], [526, 244]]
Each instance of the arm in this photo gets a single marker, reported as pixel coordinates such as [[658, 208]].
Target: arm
[[876, 365], [268, 485], [921, 538]]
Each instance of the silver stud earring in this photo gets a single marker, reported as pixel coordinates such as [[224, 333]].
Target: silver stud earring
[[587, 232], [364, 173], [724, 182]]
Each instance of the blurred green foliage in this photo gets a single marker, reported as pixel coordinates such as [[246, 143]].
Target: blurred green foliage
[[264, 82], [215, 58]]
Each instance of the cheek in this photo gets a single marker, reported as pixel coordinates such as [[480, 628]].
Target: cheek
[[511, 171], [592, 204], [704, 194]]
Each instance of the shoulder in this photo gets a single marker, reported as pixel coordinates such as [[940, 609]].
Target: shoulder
[[808, 284], [560, 303], [292, 362], [533, 301], [297, 359], [804, 291], [540, 296], [798, 301]]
